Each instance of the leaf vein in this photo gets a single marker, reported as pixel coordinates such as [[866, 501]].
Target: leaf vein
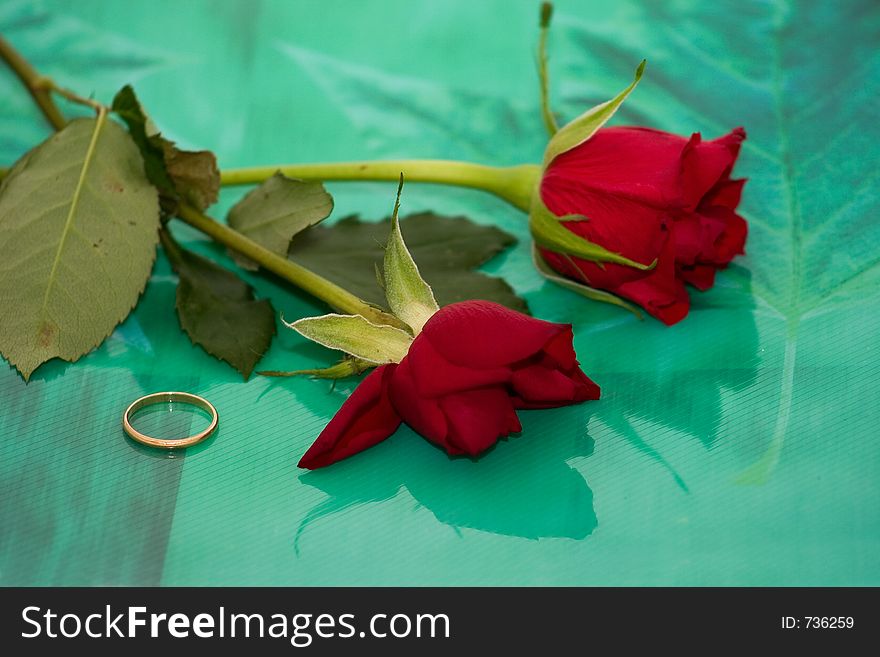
[[90, 152]]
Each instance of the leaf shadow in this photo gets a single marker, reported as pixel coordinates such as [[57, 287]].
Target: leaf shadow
[[679, 383], [526, 486]]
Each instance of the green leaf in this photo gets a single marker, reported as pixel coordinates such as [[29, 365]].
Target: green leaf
[[409, 296], [217, 309], [78, 232], [277, 210], [189, 175], [447, 249], [356, 336], [585, 126]]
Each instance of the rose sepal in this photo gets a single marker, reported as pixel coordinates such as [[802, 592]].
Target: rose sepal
[[580, 288], [579, 130], [548, 231], [356, 336], [410, 298], [347, 367]]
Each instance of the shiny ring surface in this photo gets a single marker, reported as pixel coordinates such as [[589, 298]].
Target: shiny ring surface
[[167, 398]]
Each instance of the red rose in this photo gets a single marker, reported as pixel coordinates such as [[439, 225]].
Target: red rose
[[649, 195], [465, 375]]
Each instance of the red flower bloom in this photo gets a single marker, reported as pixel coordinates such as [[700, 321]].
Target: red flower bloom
[[472, 366], [649, 195]]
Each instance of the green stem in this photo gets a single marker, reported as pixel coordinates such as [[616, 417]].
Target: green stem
[[513, 184], [305, 279], [543, 74]]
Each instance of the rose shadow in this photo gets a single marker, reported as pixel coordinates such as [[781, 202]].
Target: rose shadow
[[676, 377], [524, 486]]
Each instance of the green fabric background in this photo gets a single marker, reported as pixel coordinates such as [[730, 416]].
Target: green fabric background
[[738, 447]]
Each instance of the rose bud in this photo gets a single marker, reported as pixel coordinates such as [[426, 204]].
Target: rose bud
[[649, 196], [474, 364]]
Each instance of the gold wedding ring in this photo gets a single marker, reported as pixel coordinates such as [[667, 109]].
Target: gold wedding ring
[[167, 398]]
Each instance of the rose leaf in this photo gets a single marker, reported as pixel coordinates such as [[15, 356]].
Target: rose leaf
[[278, 209], [78, 232], [446, 249], [217, 309]]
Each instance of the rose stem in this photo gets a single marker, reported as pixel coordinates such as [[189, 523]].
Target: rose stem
[[543, 74], [305, 279], [513, 184]]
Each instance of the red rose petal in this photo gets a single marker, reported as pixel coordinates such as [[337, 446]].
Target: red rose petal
[[695, 235], [365, 419], [671, 312], [586, 388], [663, 296], [660, 292], [726, 193], [621, 225], [477, 419], [688, 238], [705, 163], [539, 387], [560, 349], [484, 335], [421, 413], [732, 240], [701, 277], [638, 164], [732, 141], [538, 384], [434, 376]]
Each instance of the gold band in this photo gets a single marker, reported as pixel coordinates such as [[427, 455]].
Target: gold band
[[167, 398]]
